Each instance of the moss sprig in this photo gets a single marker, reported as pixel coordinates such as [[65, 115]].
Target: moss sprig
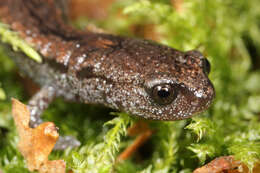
[[12, 38], [101, 157]]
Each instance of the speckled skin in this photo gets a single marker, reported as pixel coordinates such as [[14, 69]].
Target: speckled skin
[[115, 71]]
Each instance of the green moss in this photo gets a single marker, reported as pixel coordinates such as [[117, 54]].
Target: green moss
[[11, 38], [100, 157], [221, 30], [2, 94]]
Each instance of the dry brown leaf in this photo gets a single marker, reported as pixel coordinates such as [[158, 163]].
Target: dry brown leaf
[[36, 143], [177, 4], [226, 164]]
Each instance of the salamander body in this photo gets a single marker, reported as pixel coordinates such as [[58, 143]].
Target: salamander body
[[141, 77]]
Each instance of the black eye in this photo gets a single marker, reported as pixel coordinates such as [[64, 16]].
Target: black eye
[[206, 66], [163, 94]]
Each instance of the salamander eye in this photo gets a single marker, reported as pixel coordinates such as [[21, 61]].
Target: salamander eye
[[206, 66], [163, 94]]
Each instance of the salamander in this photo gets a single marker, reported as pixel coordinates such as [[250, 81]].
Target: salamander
[[137, 76]]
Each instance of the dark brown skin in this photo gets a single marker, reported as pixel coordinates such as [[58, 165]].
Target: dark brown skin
[[140, 77]]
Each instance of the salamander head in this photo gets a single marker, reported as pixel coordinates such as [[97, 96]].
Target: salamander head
[[165, 84]]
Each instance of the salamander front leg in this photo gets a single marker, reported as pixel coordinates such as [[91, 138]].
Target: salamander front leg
[[38, 103]]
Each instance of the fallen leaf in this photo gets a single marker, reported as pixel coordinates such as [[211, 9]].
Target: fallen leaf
[[226, 164], [36, 144]]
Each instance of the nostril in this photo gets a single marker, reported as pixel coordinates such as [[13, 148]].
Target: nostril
[[206, 66]]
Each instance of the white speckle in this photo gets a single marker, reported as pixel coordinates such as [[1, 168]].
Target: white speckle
[[182, 59], [77, 45], [199, 93], [97, 65], [63, 76], [67, 57], [46, 48], [81, 59], [28, 32]]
